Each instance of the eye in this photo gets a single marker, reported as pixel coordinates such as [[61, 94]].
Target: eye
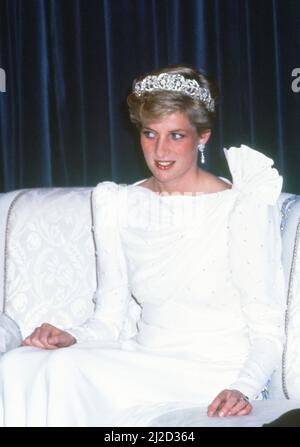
[[177, 136], [148, 134]]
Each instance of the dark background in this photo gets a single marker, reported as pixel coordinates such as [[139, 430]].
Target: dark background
[[70, 64]]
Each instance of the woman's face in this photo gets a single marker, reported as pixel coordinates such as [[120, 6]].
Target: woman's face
[[170, 149]]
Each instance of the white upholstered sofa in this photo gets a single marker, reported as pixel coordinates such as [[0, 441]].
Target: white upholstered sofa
[[48, 267]]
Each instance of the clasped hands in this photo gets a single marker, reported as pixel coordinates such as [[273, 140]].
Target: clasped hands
[[47, 336], [227, 402]]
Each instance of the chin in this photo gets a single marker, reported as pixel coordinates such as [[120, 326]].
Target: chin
[[164, 177]]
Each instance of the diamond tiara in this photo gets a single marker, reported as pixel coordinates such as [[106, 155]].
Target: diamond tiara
[[175, 83]]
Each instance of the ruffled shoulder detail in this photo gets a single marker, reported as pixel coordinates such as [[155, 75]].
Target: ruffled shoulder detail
[[106, 186], [253, 174]]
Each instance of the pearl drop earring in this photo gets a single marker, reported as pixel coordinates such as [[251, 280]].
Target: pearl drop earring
[[201, 148]]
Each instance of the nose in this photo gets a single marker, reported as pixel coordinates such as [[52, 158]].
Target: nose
[[161, 148]]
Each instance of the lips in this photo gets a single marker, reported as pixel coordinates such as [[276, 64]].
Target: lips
[[164, 165]]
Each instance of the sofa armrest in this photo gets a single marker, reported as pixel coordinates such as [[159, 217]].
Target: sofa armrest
[[6, 202], [291, 263], [10, 334]]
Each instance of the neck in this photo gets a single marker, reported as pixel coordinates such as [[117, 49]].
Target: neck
[[190, 186]]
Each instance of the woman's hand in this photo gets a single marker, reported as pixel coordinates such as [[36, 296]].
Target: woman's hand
[[49, 337], [229, 403]]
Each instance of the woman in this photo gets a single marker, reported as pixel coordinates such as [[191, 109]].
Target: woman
[[189, 304]]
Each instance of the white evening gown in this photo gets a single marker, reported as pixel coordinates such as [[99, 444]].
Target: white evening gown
[[189, 301]]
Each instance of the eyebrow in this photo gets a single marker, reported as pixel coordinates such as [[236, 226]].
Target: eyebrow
[[173, 130]]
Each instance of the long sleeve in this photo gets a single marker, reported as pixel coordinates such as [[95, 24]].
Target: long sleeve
[[112, 296], [255, 258], [258, 275]]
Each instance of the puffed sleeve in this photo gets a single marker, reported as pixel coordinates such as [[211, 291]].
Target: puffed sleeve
[[255, 258], [112, 295]]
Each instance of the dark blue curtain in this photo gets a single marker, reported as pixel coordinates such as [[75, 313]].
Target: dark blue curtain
[[69, 65]]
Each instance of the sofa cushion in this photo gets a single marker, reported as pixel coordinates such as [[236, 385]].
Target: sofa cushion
[[50, 258]]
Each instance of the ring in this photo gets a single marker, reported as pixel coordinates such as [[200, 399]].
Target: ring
[[245, 398]]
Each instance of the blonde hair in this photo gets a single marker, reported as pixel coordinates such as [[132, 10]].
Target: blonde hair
[[152, 106]]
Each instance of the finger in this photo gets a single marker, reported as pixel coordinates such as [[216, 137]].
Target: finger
[[213, 407], [34, 342], [35, 339], [62, 340], [56, 340], [47, 325], [227, 406], [45, 337], [55, 337], [47, 344], [27, 341], [240, 405], [245, 410]]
